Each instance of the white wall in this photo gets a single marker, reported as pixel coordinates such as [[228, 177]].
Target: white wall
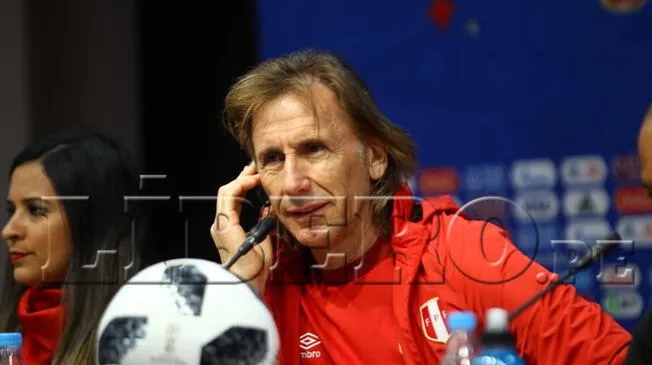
[[14, 108]]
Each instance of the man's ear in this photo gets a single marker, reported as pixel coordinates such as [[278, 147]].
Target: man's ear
[[376, 159]]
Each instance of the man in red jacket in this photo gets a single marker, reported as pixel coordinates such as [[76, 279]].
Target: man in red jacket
[[361, 271]]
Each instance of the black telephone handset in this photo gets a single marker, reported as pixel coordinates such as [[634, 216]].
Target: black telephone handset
[[262, 201], [263, 205]]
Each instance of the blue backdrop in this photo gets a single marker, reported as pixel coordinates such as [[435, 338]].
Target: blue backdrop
[[535, 101]]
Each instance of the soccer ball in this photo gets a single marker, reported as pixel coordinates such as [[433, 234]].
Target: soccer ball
[[186, 312]]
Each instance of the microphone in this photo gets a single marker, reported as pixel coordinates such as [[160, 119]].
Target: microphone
[[609, 244], [255, 236]]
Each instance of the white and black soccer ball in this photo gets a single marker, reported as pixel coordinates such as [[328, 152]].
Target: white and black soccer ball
[[186, 312]]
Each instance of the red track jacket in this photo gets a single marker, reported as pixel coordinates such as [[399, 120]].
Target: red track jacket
[[450, 263]]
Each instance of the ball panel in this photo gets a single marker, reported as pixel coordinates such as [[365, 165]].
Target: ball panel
[[188, 286], [120, 337], [236, 346]]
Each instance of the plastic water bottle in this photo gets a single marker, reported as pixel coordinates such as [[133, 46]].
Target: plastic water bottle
[[10, 344], [498, 346], [460, 349]]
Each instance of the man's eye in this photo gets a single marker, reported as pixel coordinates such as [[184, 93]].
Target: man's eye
[[271, 158], [315, 147], [10, 210]]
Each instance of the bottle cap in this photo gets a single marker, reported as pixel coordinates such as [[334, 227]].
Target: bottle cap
[[462, 321], [13, 339], [496, 331], [496, 320]]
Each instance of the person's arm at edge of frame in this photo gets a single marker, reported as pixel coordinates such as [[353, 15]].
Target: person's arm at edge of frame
[[640, 350]]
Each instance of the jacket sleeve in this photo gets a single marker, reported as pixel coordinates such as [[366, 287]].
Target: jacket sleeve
[[559, 328], [640, 351]]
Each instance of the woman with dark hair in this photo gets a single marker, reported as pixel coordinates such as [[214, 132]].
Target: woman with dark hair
[[72, 239]]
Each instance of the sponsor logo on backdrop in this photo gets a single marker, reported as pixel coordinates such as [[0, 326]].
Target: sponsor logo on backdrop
[[632, 200], [533, 173], [626, 168], [588, 230], [541, 205], [438, 180], [620, 276], [637, 229], [527, 235], [485, 178], [623, 305], [583, 170], [586, 202], [622, 7]]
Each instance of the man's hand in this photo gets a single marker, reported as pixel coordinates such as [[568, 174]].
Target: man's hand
[[228, 234]]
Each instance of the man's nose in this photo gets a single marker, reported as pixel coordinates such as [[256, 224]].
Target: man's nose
[[295, 179]]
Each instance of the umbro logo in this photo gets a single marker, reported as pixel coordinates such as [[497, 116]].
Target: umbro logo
[[307, 341]]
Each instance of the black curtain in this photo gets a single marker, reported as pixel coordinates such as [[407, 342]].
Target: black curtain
[[190, 54]]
